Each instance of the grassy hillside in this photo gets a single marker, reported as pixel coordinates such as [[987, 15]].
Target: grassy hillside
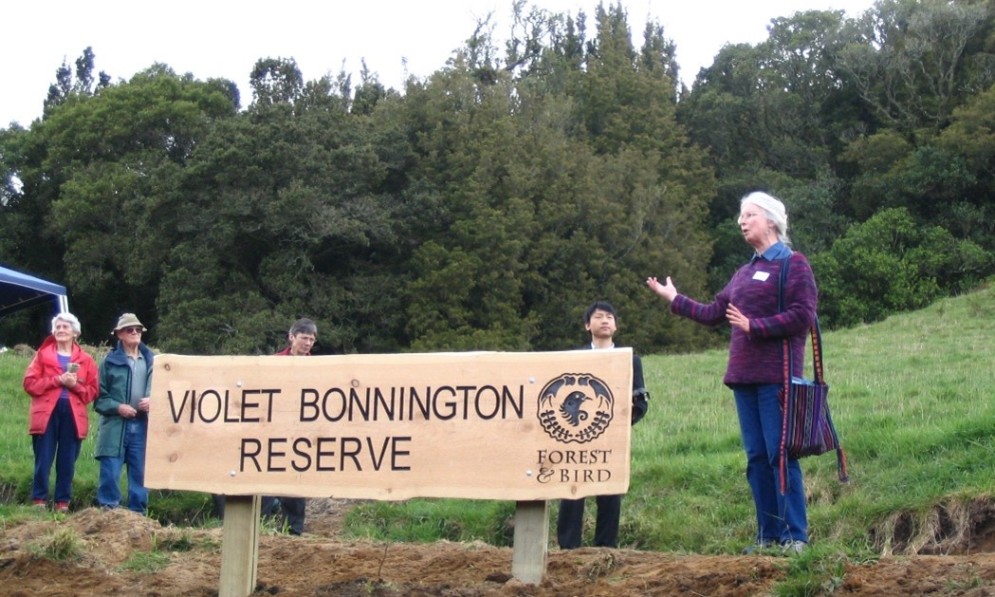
[[912, 398]]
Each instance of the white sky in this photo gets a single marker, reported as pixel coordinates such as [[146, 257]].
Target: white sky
[[224, 39]]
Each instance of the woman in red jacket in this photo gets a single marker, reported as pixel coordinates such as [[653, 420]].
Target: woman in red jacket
[[61, 380]]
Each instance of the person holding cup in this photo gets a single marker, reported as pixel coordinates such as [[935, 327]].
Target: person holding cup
[[61, 380]]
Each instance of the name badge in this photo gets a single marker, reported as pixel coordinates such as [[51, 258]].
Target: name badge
[[762, 276]]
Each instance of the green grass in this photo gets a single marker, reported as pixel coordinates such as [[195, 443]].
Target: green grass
[[911, 398], [422, 521], [146, 562], [159, 556], [912, 402], [61, 545], [17, 458]]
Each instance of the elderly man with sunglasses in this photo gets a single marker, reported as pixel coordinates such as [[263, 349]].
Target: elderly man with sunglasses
[[123, 406]]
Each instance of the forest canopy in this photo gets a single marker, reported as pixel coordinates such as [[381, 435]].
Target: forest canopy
[[486, 205]]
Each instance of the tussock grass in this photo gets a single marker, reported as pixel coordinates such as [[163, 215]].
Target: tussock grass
[[61, 545], [164, 545], [146, 562]]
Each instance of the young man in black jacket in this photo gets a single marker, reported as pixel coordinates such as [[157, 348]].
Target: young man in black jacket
[[601, 321]]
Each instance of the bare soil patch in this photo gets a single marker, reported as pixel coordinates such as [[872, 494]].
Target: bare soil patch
[[319, 564]]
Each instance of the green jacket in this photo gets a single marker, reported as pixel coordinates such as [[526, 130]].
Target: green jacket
[[115, 381]]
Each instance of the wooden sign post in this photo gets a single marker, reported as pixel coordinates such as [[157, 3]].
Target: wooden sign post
[[239, 546], [527, 427]]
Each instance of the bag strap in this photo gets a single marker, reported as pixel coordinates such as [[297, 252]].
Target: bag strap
[[815, 331], [785, 392], [817, 366]]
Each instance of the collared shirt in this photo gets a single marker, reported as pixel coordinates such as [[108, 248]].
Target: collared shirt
[[139, 379], [774, 252]]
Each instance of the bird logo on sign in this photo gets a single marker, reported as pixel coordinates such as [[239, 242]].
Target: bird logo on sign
[[575, 407]]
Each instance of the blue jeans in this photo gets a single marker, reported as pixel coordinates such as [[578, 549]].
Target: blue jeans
[[780, 518], [59, 444], [109, 490]]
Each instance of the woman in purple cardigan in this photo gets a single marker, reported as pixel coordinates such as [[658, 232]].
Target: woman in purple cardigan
[[755, 373]]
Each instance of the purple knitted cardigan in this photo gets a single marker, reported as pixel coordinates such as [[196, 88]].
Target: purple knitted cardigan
[[757, 357]]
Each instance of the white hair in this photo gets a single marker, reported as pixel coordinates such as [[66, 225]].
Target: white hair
[[774, 211], [69, 318]]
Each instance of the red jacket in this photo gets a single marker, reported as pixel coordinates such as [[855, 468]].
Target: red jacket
[[42, 384]]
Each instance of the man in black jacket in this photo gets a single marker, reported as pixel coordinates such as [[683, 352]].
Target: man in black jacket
[[601, 321]]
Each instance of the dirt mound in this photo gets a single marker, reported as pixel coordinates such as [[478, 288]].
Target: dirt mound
[[107, 552], [957, 526]]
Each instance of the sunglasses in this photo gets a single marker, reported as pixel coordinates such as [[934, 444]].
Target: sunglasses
[[132, 330]]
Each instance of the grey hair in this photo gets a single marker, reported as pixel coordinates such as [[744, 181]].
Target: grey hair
[[304, 326], [773, 209], [69, 318]]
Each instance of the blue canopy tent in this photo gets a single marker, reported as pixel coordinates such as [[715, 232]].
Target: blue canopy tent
[[18, 291]]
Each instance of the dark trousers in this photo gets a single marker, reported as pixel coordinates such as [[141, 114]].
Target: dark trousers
[[570, 522], [292, 508], [59, 444]]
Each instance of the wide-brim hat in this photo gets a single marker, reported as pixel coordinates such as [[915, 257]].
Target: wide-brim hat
[[127, 320]]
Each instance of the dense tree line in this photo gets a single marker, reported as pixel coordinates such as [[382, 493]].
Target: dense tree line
[[485, 206]]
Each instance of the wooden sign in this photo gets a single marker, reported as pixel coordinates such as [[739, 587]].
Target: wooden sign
[[477, 425]]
